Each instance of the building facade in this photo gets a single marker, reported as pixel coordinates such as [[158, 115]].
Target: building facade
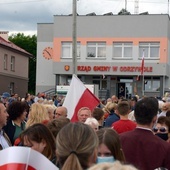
[[109, 53], [14, 62]]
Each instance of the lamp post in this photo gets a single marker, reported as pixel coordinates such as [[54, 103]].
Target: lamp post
[[74, 37]]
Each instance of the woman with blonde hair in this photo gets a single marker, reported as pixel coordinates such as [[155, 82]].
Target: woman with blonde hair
[[113, 116], [37, 114], [76, 146]]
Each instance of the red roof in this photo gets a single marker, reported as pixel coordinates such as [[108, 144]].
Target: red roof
[[12, 45]]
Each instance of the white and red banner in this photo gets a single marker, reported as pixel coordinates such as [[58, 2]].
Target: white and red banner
[[79, 96], [24, 158]]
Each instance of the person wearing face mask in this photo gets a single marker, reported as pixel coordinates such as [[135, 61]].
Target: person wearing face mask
[[109, 148], [162, 128]]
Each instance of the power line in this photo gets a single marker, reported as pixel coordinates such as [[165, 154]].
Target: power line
[[20, 2]]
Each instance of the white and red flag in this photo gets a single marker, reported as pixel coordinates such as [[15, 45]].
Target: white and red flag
[[24, 158], [79, 96], [142, 64]]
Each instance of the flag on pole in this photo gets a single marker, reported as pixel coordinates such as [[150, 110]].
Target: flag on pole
[[24, 158], [79, 96], [142, 64]]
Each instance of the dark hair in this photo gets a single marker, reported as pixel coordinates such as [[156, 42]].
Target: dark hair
[[110, 138], [97, 113], [123, 108], [16, 109], [164, 120], [38, 133], [145, 110], [168, 113]]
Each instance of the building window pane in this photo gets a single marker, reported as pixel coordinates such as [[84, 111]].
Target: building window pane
[[152, 84], [96, 50], [5, 62], [67, 49], [122, 50], [12, 63], [151, 50]]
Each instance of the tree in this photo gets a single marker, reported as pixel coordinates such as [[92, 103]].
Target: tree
[[28, 43], [124, 12]]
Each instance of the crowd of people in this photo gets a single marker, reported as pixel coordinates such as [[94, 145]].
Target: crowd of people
[[120, 134]]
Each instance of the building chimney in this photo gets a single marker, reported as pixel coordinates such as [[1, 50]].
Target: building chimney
[[4, 35]]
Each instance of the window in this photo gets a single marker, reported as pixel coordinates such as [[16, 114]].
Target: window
[[152, 84], [96, 50], [5, 62], [67, 49], [151, 50], [122, 50], [12, 63]]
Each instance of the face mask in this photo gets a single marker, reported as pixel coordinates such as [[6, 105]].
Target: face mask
[[163, 136], [105, 159]]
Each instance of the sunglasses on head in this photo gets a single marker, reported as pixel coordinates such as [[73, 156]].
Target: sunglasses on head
[[161, 129]]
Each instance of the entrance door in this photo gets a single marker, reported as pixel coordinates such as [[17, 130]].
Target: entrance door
[[121, 90]]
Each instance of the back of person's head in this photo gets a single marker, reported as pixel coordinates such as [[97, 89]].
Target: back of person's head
[[76, 145], [38, 113], [40, 133], [145, 110], [112, 166], [110, 107], [91, 121], [110, 138], [56, 125], [123, 108], [98, 113]]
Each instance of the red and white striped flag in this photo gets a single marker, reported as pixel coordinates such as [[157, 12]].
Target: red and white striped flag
[[24, 158], [142, 64], [79, 96]]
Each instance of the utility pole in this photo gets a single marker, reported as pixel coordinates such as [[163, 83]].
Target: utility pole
[[74, 37]]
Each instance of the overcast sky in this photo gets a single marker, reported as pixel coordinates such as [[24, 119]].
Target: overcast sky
[[23, 15]]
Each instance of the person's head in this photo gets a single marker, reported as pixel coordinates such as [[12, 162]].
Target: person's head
[[3, 115], [17, 110], [76, 145], [109, 145], [56, 125], [114, 99], [111, 107], [5, 96], [50, 110], [39, 138], [162, 127], [123, 108], [91, 121], [60, 111], [37, 114], [83, 114], [98, 114], [146, 111]]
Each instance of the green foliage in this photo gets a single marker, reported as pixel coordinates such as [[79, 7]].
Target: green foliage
[[124, 12], [28, 43]]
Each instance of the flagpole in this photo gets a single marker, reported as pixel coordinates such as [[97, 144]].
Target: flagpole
[[74, 38], [143, 84], [143, 78]]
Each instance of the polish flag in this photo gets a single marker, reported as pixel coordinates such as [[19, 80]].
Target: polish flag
[[24, 158], [79, 96], [142, 64]]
